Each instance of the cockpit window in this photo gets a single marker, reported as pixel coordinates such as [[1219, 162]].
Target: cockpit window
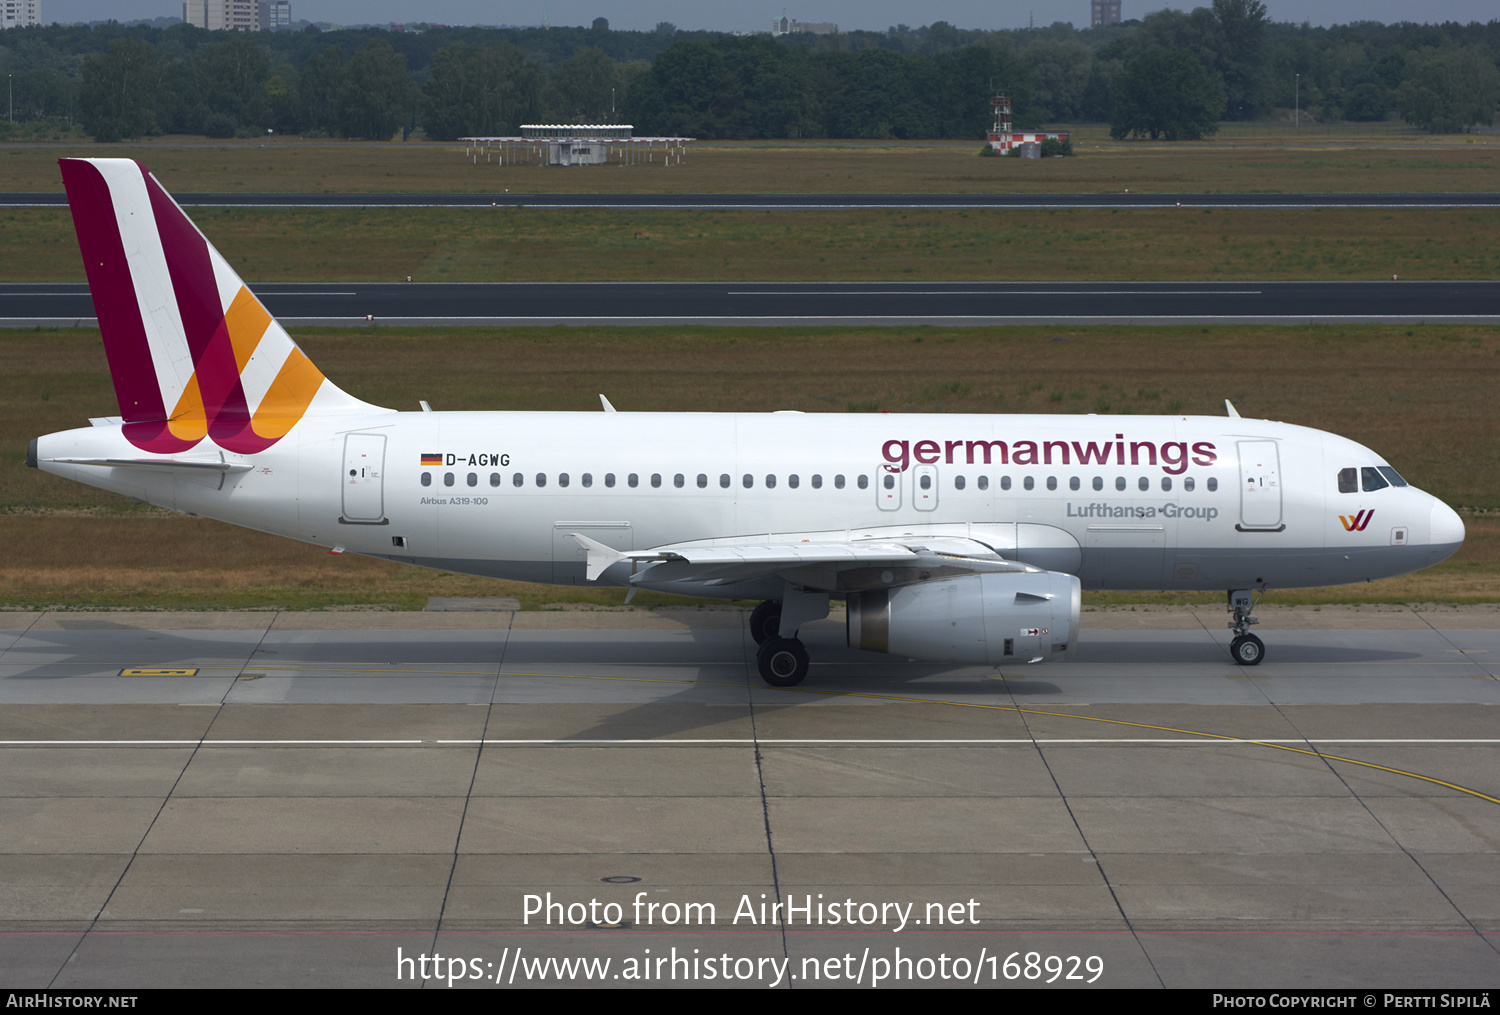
[[1348, 481], [1392, 475], [1372, 479]]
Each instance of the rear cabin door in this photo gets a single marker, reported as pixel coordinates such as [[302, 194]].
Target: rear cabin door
[[364, 483]]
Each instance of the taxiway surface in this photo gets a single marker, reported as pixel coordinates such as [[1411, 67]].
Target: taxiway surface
[[795, 202], [819, 303], [288, 799]]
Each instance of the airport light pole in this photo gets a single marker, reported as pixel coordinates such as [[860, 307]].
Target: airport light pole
[[1297, 115]]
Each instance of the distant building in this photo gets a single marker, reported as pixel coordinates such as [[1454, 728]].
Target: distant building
[[785, 26], [1105, 12], [236, 15], [275, 14], [20, 13]]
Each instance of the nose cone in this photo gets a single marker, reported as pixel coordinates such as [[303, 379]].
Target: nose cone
[[1446, 531]]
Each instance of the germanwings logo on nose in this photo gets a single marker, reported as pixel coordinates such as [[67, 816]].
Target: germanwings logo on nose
[[1357, 523]]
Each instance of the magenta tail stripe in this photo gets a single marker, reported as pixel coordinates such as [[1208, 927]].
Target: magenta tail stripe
[[197, 293], [115, 302]]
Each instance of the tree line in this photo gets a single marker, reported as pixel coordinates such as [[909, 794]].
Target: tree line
[[1172, 74]]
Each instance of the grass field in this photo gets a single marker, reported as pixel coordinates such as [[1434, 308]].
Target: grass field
[[1244, 158], [511, 244], [1422, 397]]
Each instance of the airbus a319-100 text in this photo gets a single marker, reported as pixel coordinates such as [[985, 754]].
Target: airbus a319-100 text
[[957, 538]]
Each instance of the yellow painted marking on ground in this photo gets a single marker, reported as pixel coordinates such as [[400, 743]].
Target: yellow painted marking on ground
[[160, 671]]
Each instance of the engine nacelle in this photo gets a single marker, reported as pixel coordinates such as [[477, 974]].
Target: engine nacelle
[[977, 618]]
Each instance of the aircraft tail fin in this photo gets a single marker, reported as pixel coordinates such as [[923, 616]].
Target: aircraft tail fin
[[192, 352]]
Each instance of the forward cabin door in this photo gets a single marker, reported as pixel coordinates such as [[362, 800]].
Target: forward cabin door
[[364, 482], [1260, 485]]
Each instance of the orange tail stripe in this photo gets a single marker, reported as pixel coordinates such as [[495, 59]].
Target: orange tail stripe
[[189, 421], [247, 321], [288, 397]]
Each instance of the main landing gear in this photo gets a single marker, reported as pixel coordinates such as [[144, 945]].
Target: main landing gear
[[782, 661], [1246, 648]]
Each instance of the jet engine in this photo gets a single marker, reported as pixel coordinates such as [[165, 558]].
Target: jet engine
[[976, 618]]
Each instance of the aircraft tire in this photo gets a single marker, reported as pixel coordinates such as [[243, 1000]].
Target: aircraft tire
[[1248, 650], [765, 621], [782, 662]]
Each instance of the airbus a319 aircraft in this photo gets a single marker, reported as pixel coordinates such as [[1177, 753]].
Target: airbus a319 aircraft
[[956, 538]]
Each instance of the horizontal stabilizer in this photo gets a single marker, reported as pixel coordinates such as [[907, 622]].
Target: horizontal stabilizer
[[206, 464]]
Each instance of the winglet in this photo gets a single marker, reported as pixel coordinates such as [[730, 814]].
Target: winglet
[[1229, 407], [607, 406], [600, 557]]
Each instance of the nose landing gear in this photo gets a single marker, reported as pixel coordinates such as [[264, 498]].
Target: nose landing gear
[[1246, 648]]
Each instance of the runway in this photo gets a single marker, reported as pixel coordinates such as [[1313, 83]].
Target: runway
[[806, 304], [798, 201], [259, 798]]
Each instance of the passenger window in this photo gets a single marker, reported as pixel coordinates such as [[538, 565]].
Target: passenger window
[[1348, 481], [926, 482], [1372, 479], [1187, 484], [1029, 483], [724, 480], [748, 481], [1098, 482], [517, 479], [1145, 483], [838, 482], [1119, 482], [541, 479], [632, 481], [562, 479], [588, 479], [958, 482], [656, 479], [817, 481], [890, 481], [1213, 484], [1166, 483], [864, 482], [984, 482], [473, 479], [703, 481], [1392, 475], [447, 479], [1052, 482], [609, 479], [792, 481], [1005, 482], [426, 479], [770, 482], [1073, 483], [678, 480]]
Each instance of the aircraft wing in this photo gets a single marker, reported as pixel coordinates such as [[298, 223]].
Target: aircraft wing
[[829, 565]]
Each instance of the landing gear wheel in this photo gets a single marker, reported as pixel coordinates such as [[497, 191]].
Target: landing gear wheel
[[782, 662], [1248, 650], [765, 621]]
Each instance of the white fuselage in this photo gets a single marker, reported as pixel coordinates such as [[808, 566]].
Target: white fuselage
[[1157, 503]]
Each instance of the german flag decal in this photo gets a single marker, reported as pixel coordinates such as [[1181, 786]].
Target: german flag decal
[[434, 459]]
